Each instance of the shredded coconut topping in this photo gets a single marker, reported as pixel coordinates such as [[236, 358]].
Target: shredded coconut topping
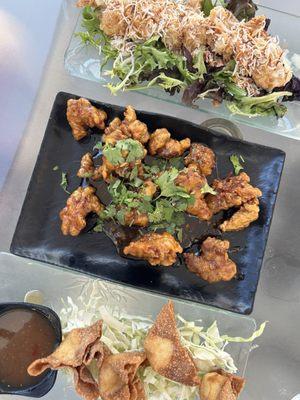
[[259, 57]]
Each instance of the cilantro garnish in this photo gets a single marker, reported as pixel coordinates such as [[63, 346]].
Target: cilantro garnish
[[207, 189], [167, 185], [98, 146], [125, 151], [64, 182], [235, 160]]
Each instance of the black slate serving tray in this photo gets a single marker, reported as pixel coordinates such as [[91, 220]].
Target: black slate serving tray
[[38, 234]]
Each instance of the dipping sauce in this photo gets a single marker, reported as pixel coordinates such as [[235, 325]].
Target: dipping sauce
[[25, 335]]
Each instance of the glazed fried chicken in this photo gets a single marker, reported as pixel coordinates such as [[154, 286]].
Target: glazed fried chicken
[[248, 213], [220, 385], [148, 189], [192, 181], [80, 203], [232, 192], [156, 248], [201, 157], [164, 146], [134, 218], [82, 115], [213, 264], [87, 167], [130, 127]]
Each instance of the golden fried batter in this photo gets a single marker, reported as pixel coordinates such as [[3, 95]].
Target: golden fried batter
[[191, 180], [87, 167], [130, 127], [134, 218], [118, 378], [82, 115], [148, 189], [165, 352], [161, 144], [71, 352], [213, 264], [84, 383], [248, 213], [76, 352], [220, 385], [202, 157], [156, 248], [80, 203], [231, 192]]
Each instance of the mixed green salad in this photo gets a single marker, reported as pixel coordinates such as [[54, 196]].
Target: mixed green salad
[[150, 63]]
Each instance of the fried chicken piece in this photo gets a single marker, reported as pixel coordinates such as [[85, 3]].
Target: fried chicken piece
[[130, 127], [80, 203], [156, 248], [220, 385], [118, 378], [248, 213], [90, 3], [191, 180], [202, 157], [148, 189], [137, 130], [161, 144], [231, 192], [82, 115], [199, 208], [165, 352], [115, 132], [87, 167], [129, 115], [213, 264], [135, 218]]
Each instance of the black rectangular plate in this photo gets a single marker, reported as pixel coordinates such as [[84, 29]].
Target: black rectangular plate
[[38, 234]]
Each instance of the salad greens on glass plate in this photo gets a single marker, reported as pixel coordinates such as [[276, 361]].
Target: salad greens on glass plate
[[197, 72]]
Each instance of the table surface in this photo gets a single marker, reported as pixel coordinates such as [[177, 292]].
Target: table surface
[[273, 369]]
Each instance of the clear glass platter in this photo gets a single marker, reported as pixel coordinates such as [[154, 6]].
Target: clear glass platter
[[18, 276], [84, 62]]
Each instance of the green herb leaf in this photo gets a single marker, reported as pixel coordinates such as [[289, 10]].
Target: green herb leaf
[[167, 185], [235, 160], [126, 150], [208, 189], [55, 168], [99, 226], [64, 182], [98, 146]]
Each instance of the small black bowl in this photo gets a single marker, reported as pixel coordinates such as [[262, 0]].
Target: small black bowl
[[48, 379]]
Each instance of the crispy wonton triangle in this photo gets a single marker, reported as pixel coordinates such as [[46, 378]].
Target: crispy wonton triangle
[[85, 384], [220, 385], [117, 377], [165, 353], [71, 352]]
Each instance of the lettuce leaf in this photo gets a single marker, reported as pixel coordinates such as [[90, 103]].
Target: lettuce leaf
[[260, 106]]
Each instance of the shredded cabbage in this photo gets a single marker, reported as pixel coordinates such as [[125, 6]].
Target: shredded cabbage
[[124, 332]]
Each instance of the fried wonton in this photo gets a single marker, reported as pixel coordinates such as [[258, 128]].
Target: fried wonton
[[72, 352], [76, 352], [220, 385], [118, 379], [84, 383], [166, 354]]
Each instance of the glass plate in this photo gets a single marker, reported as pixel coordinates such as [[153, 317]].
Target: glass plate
[[18, 276], [84, 62]]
